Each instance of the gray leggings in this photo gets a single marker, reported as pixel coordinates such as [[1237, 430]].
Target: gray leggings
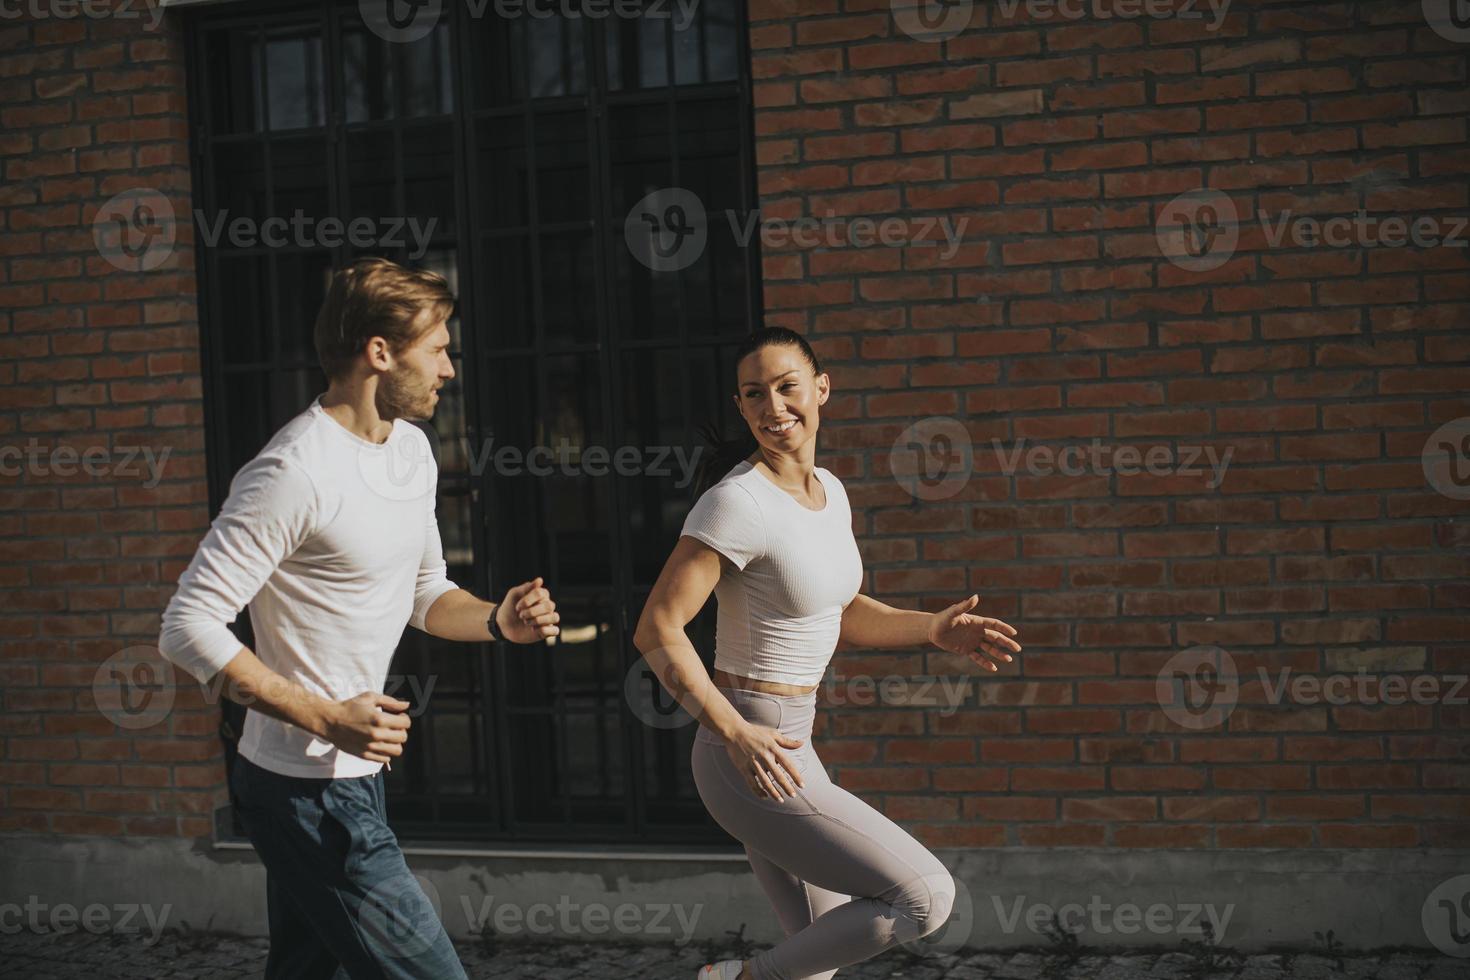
[[846, 882]]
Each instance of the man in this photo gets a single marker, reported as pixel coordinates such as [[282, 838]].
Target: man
[[329, 535]]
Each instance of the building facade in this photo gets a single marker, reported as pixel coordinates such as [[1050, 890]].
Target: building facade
[[1149, 328]]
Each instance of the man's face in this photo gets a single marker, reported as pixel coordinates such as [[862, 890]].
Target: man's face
[[410, 388]]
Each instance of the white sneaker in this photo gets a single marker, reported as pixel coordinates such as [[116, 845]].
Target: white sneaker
[[723, 970]]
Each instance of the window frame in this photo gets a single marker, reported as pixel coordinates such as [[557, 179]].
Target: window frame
[[474, 359]]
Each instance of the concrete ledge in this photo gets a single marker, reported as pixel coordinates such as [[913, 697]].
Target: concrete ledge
[[1256, 900]]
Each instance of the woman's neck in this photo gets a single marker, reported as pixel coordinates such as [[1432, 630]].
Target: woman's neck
[[795, 470]]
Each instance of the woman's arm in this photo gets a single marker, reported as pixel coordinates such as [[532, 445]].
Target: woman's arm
[[866, 622], [683, 587]]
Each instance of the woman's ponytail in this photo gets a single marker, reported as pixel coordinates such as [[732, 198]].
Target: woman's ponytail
[[719, 456]]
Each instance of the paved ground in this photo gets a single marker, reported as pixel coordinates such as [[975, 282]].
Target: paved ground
[[208, 957]]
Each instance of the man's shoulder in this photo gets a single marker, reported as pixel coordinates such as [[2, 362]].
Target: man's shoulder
[[286, 460], [294, 438]]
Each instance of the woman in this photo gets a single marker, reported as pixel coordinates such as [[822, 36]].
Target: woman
[[773, 540]]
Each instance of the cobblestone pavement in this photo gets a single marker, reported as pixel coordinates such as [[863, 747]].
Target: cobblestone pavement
[[199, 956]]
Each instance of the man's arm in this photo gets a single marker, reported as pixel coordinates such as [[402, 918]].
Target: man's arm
[[458, 615], [252, 683], [371, 725], [270, 511], [443, 609], [526, 615]]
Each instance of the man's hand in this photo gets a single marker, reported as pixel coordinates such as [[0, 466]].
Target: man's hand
[[372, 726], [956, 630], [528, 614]]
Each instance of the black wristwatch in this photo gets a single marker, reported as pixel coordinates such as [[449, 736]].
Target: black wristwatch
[[494, 626]]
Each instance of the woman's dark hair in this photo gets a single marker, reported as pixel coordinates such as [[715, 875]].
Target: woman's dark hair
[[720, 455]]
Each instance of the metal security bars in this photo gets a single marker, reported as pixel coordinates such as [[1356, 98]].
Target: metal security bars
[[505, 152]]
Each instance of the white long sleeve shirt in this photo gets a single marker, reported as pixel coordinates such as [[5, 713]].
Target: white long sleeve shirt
[[333, 543]]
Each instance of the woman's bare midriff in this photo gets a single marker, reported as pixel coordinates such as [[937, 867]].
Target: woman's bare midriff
[[726, 679]]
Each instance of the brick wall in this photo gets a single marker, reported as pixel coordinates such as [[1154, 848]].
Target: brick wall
[[103, 359], [1058, 320], [1323, 370]]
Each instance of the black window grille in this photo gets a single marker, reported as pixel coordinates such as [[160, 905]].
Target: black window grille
[[526, 140]]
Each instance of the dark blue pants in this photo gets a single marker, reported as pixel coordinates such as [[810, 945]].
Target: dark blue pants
[[341, 900]]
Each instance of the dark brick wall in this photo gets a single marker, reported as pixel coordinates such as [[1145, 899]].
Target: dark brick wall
[[100, 359], [1059, 320]]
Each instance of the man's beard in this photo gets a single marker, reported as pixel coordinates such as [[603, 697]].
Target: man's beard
[[398, 396]]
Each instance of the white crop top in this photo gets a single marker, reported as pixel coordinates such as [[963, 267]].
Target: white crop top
[[780, 607]]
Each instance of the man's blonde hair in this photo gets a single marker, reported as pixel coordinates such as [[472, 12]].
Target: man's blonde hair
[[376, 298]]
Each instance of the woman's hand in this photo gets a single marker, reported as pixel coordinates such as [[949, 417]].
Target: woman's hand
[[756, 752], [528, 614], [977, 637]]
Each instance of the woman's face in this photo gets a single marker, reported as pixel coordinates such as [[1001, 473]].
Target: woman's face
[[778, 396]]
